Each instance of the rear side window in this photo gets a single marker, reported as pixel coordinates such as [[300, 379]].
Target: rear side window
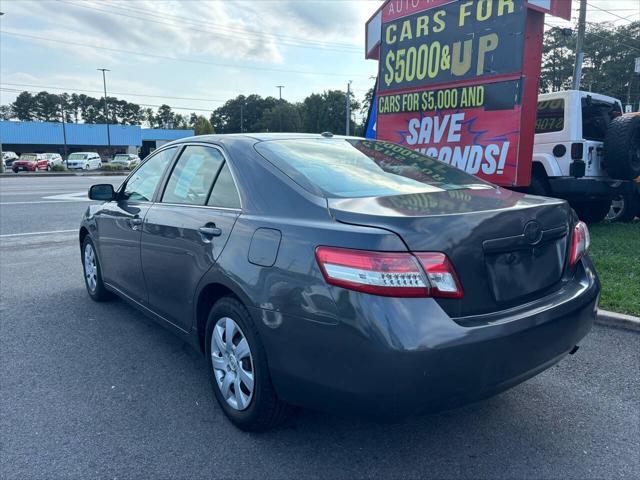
[[224, 193], [193, 175], [596, 116], [550, 116], [144, 181], [362, 168]]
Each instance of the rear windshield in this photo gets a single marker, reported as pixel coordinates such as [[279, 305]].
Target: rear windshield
[[362, 168], [596, 116]]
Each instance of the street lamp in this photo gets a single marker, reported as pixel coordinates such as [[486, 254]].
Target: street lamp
[[106, 108]]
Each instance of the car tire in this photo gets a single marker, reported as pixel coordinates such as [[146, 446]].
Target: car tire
[[86, 166], [92, 272], [257, 409], [592, 212], [622, 147]]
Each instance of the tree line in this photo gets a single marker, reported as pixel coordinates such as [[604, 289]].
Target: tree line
[[318, 112], [609, 56]]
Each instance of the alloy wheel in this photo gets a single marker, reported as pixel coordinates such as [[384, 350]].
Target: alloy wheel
[[90, 267], [232, 363]]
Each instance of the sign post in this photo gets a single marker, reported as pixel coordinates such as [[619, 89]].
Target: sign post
[[458, 81]]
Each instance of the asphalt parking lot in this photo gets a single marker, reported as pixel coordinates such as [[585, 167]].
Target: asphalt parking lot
[[98, 391]]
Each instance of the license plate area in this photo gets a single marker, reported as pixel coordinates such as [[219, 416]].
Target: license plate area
[[516, 269]]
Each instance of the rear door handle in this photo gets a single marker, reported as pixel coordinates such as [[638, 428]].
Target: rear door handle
[[135, 223], [210, 231]]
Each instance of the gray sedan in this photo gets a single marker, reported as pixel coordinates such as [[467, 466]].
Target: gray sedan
[[341, 273]]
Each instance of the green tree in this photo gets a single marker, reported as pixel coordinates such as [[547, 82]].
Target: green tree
[[326, 112], [165, 118], [200, 125], [226, 119], [6, 112], [282, 117], [24, 107]]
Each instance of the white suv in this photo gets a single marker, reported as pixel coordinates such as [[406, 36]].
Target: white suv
[[585, 151], [84, 161]]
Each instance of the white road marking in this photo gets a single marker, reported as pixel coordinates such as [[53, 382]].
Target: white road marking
[[43, 201], [78, 196], [6, 235]]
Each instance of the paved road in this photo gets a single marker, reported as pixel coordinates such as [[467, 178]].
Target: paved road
[[98, 391]]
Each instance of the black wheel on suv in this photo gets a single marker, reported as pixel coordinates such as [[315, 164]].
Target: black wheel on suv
[[237, 366], [622, 147], [624, 208], [592, 212]]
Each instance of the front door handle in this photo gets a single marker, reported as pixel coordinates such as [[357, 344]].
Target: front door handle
[[210, 231]]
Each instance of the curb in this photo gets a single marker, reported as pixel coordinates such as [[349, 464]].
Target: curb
[[618, 320], [65, 174]]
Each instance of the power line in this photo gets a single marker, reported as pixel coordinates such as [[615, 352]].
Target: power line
[[115, 93], [609, 12], [186, 60], [309, 44], [598, 35]]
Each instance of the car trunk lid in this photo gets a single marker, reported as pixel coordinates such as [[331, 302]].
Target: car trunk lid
[[506, 247]]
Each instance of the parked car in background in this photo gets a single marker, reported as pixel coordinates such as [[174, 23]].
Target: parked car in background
[[127, 160], [31, 162], [341, 273], [84, 161], [8, 158], [54, 159]]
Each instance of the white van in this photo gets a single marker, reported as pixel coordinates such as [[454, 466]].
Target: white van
[[84, 161]]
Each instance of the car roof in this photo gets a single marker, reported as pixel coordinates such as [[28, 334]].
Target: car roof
[[230, 138]]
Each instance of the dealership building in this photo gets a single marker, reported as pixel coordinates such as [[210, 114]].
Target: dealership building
[[51, 137]]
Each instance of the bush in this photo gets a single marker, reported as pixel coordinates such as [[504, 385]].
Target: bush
[[110, 167], [58, 168]]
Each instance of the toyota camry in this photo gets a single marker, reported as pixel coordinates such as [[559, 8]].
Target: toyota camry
[[341, 274]]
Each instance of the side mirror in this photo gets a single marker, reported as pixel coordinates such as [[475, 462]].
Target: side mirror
[[103, 192]]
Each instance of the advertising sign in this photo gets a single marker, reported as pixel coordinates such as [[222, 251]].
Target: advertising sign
[[458, 81], [474, 128]]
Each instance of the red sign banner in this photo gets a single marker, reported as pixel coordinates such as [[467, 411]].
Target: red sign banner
[[458, 81]]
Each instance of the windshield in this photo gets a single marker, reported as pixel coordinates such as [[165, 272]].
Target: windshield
[[29, 157], [77, 156], [121, 157], [362, 168]]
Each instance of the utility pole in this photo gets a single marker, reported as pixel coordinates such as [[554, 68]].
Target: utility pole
[[242, 118], [582, 20], [106, 108], [348, 120], [64, 129], [280, 87]]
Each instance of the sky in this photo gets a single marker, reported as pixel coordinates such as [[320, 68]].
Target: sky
[[193, 55]]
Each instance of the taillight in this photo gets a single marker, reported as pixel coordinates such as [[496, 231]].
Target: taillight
[[388, 274], [442, 277], [577, 151], [580, 241]]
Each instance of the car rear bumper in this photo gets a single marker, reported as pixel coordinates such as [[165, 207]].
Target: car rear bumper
[[390, 361]]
